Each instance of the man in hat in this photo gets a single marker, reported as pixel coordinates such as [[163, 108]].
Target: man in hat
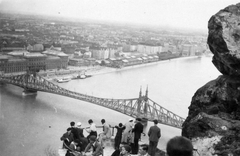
[[95, 145], [128, 128], [154, 134]]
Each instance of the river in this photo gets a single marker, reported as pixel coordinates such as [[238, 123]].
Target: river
[[29, 125]]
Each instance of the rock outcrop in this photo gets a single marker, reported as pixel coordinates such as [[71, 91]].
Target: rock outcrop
[[213, 122], [224, 40]]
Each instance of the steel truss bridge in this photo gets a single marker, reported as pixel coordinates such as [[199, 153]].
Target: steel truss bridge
[[142, 106]]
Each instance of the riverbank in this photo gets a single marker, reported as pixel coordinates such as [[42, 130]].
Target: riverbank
[[73, 71]]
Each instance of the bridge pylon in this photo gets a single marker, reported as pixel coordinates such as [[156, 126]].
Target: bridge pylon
[[29, 77], [142, 105]]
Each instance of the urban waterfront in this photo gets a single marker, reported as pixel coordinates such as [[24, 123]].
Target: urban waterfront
[[31, 124]]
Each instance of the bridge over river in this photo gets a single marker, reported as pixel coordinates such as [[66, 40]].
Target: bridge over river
[[141, 106]]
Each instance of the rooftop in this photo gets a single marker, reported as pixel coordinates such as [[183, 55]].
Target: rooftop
[[4, 57], [33, 55], [18, 53], [54, 52]]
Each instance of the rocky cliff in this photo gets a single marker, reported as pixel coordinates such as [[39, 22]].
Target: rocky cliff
[[213, 122]]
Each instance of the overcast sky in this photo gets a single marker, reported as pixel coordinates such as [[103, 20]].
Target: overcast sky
[[173, 13]]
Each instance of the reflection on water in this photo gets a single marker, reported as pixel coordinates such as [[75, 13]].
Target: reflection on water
[[31, 124]]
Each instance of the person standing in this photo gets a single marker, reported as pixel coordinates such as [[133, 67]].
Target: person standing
[[154, 134], [92, 130], [128, 128], [120, 128], [137, 130], [106, 132]]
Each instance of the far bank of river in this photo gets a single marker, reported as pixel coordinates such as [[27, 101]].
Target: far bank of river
[[73, 71]]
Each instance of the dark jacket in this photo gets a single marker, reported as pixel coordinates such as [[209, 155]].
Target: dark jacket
[[80, 132], [67, 138], [138, 129], [154, 133]]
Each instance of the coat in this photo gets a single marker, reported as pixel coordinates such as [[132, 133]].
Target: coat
[[154, 133], [138, 129]]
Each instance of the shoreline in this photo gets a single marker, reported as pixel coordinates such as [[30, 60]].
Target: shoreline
[[98, 70], [105, 70]]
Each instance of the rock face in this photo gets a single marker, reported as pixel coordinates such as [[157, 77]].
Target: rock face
[[213, 122], [224, 40]]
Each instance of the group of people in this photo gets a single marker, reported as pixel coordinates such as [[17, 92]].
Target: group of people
[[126, 140], [177, 146], [77, 144], [130, 135]]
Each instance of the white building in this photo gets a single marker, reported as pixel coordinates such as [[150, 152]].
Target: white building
[[100, 53], [149, 49]]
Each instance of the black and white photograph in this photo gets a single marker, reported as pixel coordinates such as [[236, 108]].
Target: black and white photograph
[[119, 77]]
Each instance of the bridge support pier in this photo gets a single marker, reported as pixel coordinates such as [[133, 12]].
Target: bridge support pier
[[29, 92]]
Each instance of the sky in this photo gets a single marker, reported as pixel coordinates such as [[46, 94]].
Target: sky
[[188, 14]]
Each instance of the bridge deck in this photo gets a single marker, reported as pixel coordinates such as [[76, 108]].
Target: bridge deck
[[135, 107]]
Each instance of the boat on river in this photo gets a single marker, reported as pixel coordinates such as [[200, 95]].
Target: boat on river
[[82, 76], [62, 80]]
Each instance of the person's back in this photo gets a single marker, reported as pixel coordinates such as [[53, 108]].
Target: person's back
[[179, 146]]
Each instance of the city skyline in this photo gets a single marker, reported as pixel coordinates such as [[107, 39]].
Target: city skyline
[[183, 14]]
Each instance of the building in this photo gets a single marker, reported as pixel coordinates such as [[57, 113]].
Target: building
[[62, 62], [99, 53], [76, 62], [35, 61], [53, 62], [16, 65], [148, 48], [32, 62], [68, 48], [18, 54], [112, 51], [9, 49]]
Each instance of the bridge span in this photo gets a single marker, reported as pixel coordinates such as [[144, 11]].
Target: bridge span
[[142, 106]]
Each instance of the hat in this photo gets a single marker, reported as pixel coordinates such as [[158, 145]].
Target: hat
[[69, 129], [79, 124], [130, 119]]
